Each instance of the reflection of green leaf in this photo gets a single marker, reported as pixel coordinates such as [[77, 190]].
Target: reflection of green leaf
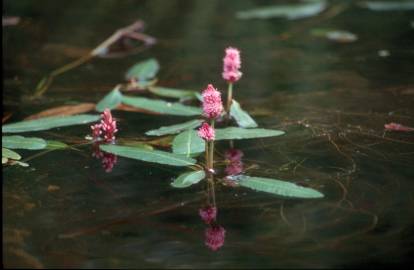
[[55, 145], [143, 70], [174, 128], [291, 12], [161, 106], [242, 118], [20, 142], [388, 5], [49, 122], [7, 153], [188, 143], [172, 93], [277, 187], [188, 179], [235, 133], [154, 156], [110, 101]]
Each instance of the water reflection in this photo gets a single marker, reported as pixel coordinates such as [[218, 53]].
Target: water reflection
[[108, 160]]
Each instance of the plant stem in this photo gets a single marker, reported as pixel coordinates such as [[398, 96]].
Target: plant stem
[[229, 98], [211, 149]]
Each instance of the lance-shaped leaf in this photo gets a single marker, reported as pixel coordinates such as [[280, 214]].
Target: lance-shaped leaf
[[20, 142], [235, 133], [242, 118], [388, 5], [54, 145], [49, 122], [7, 153], [161, 106], [277, 187], [188, 143], [172, 93], [110, 101], [188, 179], [174, 129], [143, 154], [144, 70]]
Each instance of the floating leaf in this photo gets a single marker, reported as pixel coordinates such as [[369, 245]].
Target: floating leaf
[[7, 153], [335, 35], [235, 133], [127, 108], [4, 160], [161, 106], [64, 111], [20, 163], [55, 145], [277, 187], [291, 12], [174, 129], [188, 143], [388, 5], [154, 156], [188, 179], [172, 93], [110, 101], [135, 143], [143, 71], [20, 142], [49, 122], [242, 118]]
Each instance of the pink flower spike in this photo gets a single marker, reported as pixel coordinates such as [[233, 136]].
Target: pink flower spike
[[212, 105], [208, 214], [108, 126], [96, 131], [231, 65], [397, 127], [206, 132], [215, 237]]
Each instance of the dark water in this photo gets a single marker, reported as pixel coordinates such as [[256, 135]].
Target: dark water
[[331, 98]]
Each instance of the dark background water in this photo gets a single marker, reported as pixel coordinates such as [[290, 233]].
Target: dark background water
[[331, 98]]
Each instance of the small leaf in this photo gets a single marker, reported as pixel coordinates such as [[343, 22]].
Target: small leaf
[[55, 145], [110, 101], [188, 143], [20, 142], [291, 12], [7, 153], [277, 187], [188, 179], [174, 129], [172, 93], [242, 118], [63, 111], [388, 5], [143, 154], [20, 163], [235, 133], [161, 106], [4, 160], [144, 70], [49, 122]]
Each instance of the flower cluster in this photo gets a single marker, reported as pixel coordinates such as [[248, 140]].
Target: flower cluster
[[206, 132], [214, 237], [208, 214], [235, 165], [231, 65], [107, 127], [212, 105]]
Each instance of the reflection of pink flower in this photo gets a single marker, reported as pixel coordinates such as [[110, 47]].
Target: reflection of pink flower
[[108, 160], [107, 127], [212, 105], [214, 237], [231, 65], [397, 127], [235, 165], [208, 214], [206, 132]]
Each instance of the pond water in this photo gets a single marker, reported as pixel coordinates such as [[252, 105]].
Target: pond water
[[331, 98]]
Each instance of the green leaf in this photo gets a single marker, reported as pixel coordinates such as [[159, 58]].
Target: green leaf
[[188, 179], [4, 160], [144, 70], [172, 93], [235, 133], [20, 142], [388, 5], [277, 187], [55, 145], [291, 12], [174, 129], [188, 143], [161, 106], [154, 156], [49, 122], [7, 153], [110, 101], [242, 118]]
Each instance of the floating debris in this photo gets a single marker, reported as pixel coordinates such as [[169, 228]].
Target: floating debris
[[383, 53], [397, 127], [340, 36]]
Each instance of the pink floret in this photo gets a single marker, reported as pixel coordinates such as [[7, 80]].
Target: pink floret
[[206, 132], [231, 65], [212, 104]]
